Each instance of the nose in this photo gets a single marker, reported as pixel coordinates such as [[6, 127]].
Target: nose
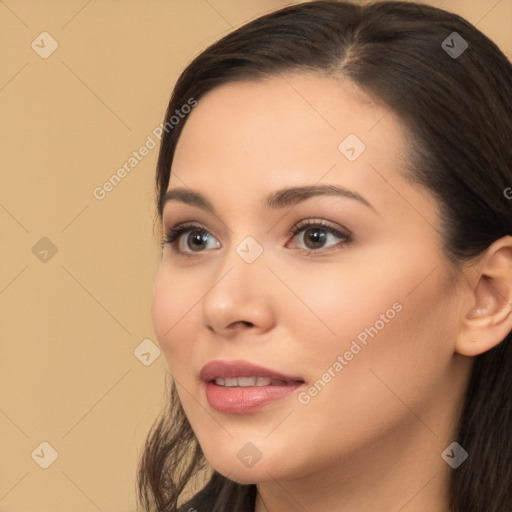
[[240, 298]]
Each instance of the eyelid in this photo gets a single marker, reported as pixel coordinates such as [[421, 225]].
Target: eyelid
[[314, 222]]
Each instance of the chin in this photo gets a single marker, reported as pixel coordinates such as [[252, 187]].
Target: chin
[[237, 466]]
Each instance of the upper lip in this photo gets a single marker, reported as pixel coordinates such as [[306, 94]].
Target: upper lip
[[240, 368]]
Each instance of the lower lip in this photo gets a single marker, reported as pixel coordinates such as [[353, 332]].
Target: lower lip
[[240, 400]]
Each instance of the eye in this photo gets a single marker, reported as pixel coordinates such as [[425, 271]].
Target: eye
[[197, 239], [316, 234]]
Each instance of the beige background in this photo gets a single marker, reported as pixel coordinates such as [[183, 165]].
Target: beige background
[[69, 324]]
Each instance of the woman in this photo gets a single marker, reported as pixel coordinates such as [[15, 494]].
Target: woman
[[334, 296]]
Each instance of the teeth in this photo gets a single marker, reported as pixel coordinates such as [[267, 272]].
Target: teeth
[[244, 382]]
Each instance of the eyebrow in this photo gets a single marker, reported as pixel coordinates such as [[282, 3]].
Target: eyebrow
[[284, 198]]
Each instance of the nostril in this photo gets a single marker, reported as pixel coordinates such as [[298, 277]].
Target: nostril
[[245, 323]]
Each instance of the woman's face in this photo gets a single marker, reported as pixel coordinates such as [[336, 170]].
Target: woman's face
[[347, 293]]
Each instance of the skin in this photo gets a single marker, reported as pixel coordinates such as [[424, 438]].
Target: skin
[[372, 438]]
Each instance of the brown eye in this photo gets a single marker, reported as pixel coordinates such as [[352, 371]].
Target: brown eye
[[315, 235], [196, 240], [188, 239], [314, 238]]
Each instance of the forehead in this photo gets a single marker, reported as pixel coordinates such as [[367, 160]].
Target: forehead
[[285, 109], [290, 130]]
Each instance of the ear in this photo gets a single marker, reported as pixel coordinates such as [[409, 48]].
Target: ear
[[487, 319]]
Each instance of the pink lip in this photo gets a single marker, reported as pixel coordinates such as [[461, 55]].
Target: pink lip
[[241, 400]]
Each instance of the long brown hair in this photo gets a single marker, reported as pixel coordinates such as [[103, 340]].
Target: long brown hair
[[458, 110]]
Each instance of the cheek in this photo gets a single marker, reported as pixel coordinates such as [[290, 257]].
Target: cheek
[[398, 323], [335, 308], [395, 367], [171, 305], [406, 350]]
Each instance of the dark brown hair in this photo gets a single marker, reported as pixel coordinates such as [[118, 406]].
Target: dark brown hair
[[458, 112]]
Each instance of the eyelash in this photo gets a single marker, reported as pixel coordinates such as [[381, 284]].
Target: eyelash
[[173, 235]]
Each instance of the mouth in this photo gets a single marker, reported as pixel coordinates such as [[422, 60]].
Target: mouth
[[245, 382], [239, 387], [243, 373]]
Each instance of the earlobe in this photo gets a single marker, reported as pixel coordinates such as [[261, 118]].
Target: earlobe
[[488, 320]]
